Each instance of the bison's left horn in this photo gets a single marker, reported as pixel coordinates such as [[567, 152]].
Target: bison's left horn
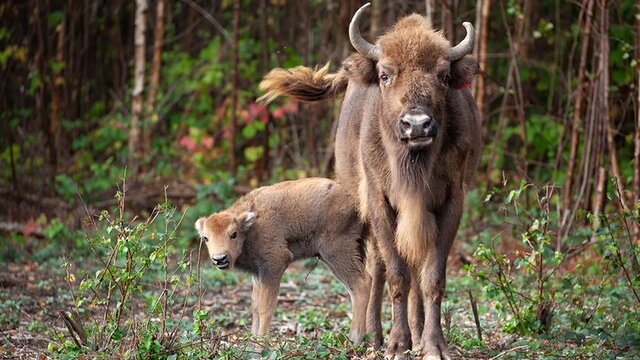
[[465, 46], [361, 45]]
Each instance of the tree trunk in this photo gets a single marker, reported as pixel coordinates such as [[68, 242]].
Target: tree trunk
[[577, 112], [135, 154], [376, 11], [447, 23], [57, 93], [263, 172], [482, 54], [428, 11], [154, 81], [234, 87], [41, 13], [604, 96], [636, 151], [156, 62]]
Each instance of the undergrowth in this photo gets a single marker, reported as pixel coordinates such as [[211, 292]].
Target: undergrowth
[[525, 291]]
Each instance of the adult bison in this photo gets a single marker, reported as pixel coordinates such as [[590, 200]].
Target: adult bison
[[408, 139]]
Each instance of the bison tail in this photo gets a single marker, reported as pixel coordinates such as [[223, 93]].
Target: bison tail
[[303, 84]]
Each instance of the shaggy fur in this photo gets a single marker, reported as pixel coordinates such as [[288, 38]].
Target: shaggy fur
[[411, 197], [267, 229], [303, 83]]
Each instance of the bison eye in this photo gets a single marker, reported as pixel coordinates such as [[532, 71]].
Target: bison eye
[[206, 239], [384, 79], [445, 78], [234, 235]]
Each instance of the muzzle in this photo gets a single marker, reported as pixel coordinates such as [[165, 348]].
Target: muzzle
[[221, 260], [417, 128]]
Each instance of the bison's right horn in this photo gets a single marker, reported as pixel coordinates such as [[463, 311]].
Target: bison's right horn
[[361, 45], [465, 46]]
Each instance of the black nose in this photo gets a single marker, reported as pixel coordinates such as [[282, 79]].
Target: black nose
[[413, 125], [220, 259]]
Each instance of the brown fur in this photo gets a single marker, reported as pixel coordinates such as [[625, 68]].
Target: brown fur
[[276, 225], [412, 198], [303, 83]]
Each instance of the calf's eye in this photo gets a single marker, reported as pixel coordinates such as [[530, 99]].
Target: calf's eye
[[234, 235], [206, 239], [384, 79]]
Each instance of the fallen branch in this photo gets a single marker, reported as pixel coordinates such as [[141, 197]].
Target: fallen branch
[[75, 328], [508, 351], [474, 307]]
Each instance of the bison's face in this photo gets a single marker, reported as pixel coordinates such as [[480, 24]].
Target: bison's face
[[224, 235], [416, 68], [413, 103]]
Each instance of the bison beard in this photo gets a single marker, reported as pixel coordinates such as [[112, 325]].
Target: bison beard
[[407, 89]]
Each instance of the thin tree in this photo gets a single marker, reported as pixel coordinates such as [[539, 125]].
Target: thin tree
[[376, 11], [156, 65], [57, 91], [636, 151], [576, 123], [263, 172], [428, 4], [234, 86], [481, 48], [604, 88], [138, 86]]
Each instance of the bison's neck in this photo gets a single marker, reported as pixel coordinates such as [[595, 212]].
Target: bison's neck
[[412, 170]]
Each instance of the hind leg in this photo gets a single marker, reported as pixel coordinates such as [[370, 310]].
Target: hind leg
[[346, 263]]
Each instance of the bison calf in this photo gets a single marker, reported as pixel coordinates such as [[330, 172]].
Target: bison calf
[[267, 229]]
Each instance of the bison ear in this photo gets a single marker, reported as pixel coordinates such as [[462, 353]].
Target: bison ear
[[463, 72], [246, 220], [361, 69], [200, 225]]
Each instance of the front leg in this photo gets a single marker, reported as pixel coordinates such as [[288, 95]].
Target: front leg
[[416, 313], [255, 299], [266, 292], [433, 277], [383, 223]]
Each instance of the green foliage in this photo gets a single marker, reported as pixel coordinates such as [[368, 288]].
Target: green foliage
[[132, 253], [532, 294]]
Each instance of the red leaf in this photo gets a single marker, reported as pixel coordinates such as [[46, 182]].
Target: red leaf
[[245, 116], [259, 111], [207, 142], [291, 107], [278, 113], [187, 143], [29, 228], [226, 133]]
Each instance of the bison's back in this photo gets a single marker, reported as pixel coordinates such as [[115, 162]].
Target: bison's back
[[301, 207]]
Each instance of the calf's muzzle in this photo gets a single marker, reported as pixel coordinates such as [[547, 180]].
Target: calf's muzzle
[[220, 260]]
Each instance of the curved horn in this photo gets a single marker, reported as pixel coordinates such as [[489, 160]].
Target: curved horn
[[465, 46], [361, 45]]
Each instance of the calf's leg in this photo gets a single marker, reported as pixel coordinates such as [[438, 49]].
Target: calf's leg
[[266, 288], [255, 300]]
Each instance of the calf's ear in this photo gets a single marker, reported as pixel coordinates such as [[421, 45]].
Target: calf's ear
[[246, 219], [200, 225], [463, 72]]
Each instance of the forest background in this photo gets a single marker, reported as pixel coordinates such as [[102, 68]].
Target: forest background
[[124, 121]]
